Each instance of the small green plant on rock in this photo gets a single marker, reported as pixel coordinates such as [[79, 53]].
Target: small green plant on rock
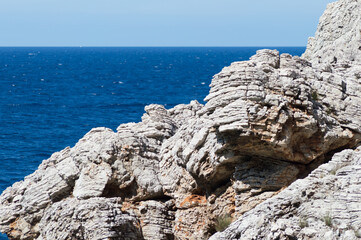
[[303, 222], [223, 222], [314, 95], [328, 220]]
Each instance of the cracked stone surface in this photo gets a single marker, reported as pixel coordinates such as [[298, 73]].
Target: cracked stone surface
[[338, 36], [324, 205]]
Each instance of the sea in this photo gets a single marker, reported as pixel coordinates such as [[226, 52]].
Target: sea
[[52, 96]]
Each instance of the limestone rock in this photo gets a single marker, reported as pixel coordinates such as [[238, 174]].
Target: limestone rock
[[92, 181], [283, 112], [338, 36], [156, 219], [324, 205], [182, 173], [96, 218], [101, 164]]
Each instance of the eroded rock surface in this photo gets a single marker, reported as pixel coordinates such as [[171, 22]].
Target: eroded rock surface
[[180, 172], [324, 205], [96, 218], [338, 36]]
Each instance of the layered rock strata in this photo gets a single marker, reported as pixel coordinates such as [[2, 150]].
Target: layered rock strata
[[338, 36], [324, 205], [182, 173]]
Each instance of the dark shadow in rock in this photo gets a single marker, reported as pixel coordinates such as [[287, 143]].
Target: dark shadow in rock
[[263, 174], [112, 190]]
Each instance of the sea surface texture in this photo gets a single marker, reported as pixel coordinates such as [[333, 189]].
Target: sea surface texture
[[51, 97]]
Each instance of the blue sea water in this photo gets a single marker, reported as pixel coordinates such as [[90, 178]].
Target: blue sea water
[[51, 97]]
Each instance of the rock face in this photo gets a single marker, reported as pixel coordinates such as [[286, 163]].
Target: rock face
[[338, 36], [182, 173], [96, 218], [324, 205]]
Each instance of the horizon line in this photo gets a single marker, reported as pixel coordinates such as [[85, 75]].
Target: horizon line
[[147, 46]]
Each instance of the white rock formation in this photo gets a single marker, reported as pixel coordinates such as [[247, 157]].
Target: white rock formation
[[180, 173], [338, 36], [325, 205], [96, 218]]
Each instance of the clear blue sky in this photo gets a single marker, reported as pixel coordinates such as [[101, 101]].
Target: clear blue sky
[[158, 22]]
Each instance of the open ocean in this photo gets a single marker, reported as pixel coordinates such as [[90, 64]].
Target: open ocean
[[51, 97]]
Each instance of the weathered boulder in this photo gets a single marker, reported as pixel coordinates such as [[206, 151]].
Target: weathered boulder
[[280, 107]]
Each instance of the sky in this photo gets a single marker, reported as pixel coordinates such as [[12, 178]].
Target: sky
[[158, 22]]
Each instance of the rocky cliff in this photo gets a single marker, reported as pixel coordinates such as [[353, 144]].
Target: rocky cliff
[[260, 152], [338, 36]]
